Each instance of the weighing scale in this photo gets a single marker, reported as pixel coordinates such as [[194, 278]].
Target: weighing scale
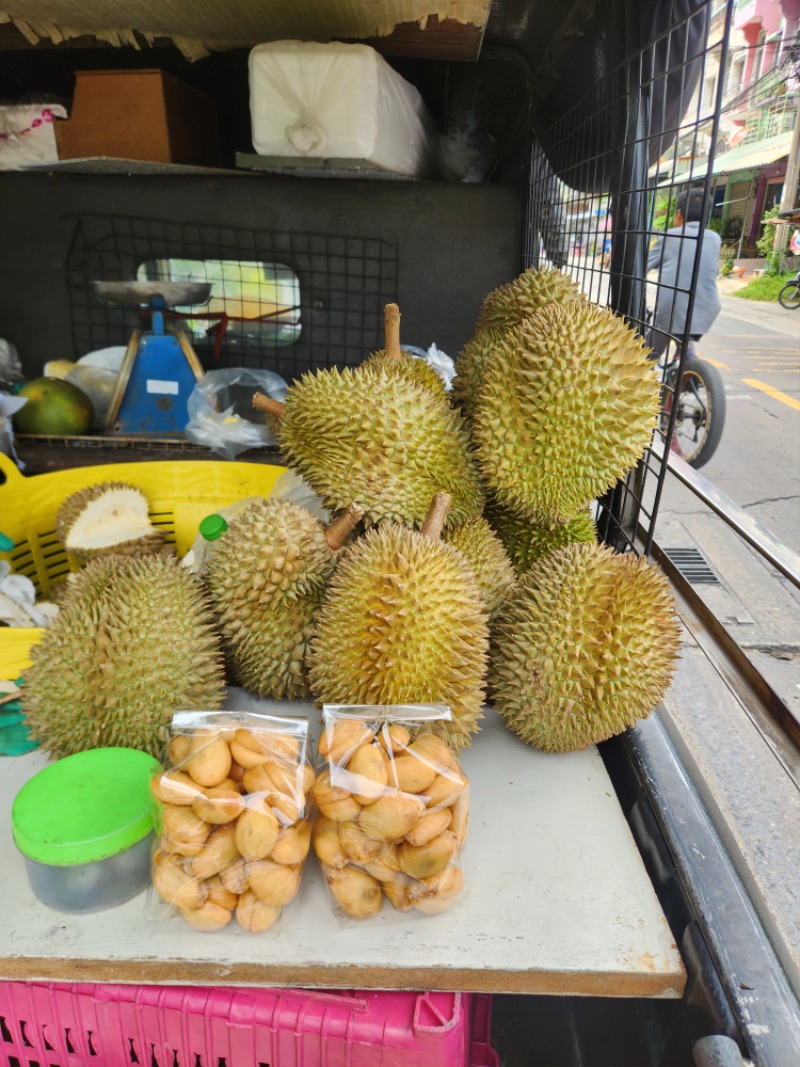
[[160, 369]]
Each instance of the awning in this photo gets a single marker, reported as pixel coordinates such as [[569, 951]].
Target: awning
[[743, 157]]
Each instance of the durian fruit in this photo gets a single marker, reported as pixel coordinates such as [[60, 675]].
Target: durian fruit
[[526, 541], [501, 310], [567, 406], [585, 647], [403, 622], [133, 642], [487, 559], [266, 577], [380, 438], [107, 518], [397, 361], [534, 289], [470, 363]]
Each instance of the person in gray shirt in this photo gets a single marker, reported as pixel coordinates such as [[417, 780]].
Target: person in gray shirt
[[673, 256]]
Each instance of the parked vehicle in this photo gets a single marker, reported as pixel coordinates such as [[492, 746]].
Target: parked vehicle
[[561, 111], [789, 296]]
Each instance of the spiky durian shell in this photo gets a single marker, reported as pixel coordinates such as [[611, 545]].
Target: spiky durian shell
[[271, 552], [406, 365], [526, 541], [487, 559], [266, 577], [270, 656], [92, 581], [517, 300], [121, 656], [380, 440], [74, 505], [402, 622], [567, 406], [586, 646], [470, 362]]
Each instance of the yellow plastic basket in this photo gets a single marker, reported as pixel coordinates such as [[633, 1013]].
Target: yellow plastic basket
[[180, 495]]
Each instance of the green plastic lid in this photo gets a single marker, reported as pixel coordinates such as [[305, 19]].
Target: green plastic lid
[[212, 527], [85, 807], [6, 544]]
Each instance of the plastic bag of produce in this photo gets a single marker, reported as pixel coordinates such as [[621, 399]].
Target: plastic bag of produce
[[393, 808], [233, 825], [219, 407]]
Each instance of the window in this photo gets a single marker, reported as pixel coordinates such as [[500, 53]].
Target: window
[[250, 301]]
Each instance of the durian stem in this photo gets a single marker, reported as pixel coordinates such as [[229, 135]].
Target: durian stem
[[391, 330], [342, 526], [437, 513], [261, 402]]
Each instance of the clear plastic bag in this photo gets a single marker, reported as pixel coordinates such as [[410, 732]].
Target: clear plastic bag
[[217, 407], [233, 826], [393, 809]]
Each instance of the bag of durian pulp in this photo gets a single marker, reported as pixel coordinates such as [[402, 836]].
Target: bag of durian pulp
[[392, 809], [233, 825]]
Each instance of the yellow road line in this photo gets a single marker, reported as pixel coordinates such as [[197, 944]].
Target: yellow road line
[[776, 394], [715, 363]]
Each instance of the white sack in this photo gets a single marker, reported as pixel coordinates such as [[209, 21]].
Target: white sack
[[27, 135], [337, 101]]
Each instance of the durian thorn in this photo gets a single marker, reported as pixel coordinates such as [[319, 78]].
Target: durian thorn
[[437, 513], [261, 402], [391, 328], [342, 526]]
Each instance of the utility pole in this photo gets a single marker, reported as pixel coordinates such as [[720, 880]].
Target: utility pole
[[789, 183], [791, 65]]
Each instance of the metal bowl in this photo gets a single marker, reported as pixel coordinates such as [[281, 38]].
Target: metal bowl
[[138, 294]]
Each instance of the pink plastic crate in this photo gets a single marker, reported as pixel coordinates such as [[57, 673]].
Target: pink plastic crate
[[63, 1025]]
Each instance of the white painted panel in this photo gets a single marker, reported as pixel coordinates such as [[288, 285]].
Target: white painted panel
[[557, 901]]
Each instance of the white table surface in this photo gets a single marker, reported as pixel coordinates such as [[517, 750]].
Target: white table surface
[[556, 901]]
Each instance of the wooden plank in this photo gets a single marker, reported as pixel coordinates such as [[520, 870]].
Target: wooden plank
[[557, 901], [439, 39]]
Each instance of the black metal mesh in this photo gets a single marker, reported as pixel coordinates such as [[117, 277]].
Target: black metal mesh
[[603, 184], [343, 284]]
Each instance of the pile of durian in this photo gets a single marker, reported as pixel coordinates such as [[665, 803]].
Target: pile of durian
[[461, 563]]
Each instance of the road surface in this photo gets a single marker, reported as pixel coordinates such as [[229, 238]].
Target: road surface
[[757, 350]]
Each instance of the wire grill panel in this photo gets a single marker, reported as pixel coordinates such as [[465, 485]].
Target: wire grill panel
[[343, 283], [604, 181]]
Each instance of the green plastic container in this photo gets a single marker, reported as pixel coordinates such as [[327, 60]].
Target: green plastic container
[[85, 828]]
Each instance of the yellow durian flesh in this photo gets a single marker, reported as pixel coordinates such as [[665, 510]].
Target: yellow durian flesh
[[107, 518]]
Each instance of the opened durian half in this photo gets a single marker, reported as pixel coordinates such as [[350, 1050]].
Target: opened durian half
[[110, 518]]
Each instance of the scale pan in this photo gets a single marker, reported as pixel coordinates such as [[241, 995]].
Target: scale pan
[[138, 294]]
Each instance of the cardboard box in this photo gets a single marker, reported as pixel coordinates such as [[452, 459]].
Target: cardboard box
[[139, 114]]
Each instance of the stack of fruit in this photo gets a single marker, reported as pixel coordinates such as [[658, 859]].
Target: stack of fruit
[[462, 552]]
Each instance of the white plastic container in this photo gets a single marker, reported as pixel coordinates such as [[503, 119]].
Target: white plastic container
[[337, 101]]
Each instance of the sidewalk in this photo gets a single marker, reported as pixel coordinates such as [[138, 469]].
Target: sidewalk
[[767, 314]]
